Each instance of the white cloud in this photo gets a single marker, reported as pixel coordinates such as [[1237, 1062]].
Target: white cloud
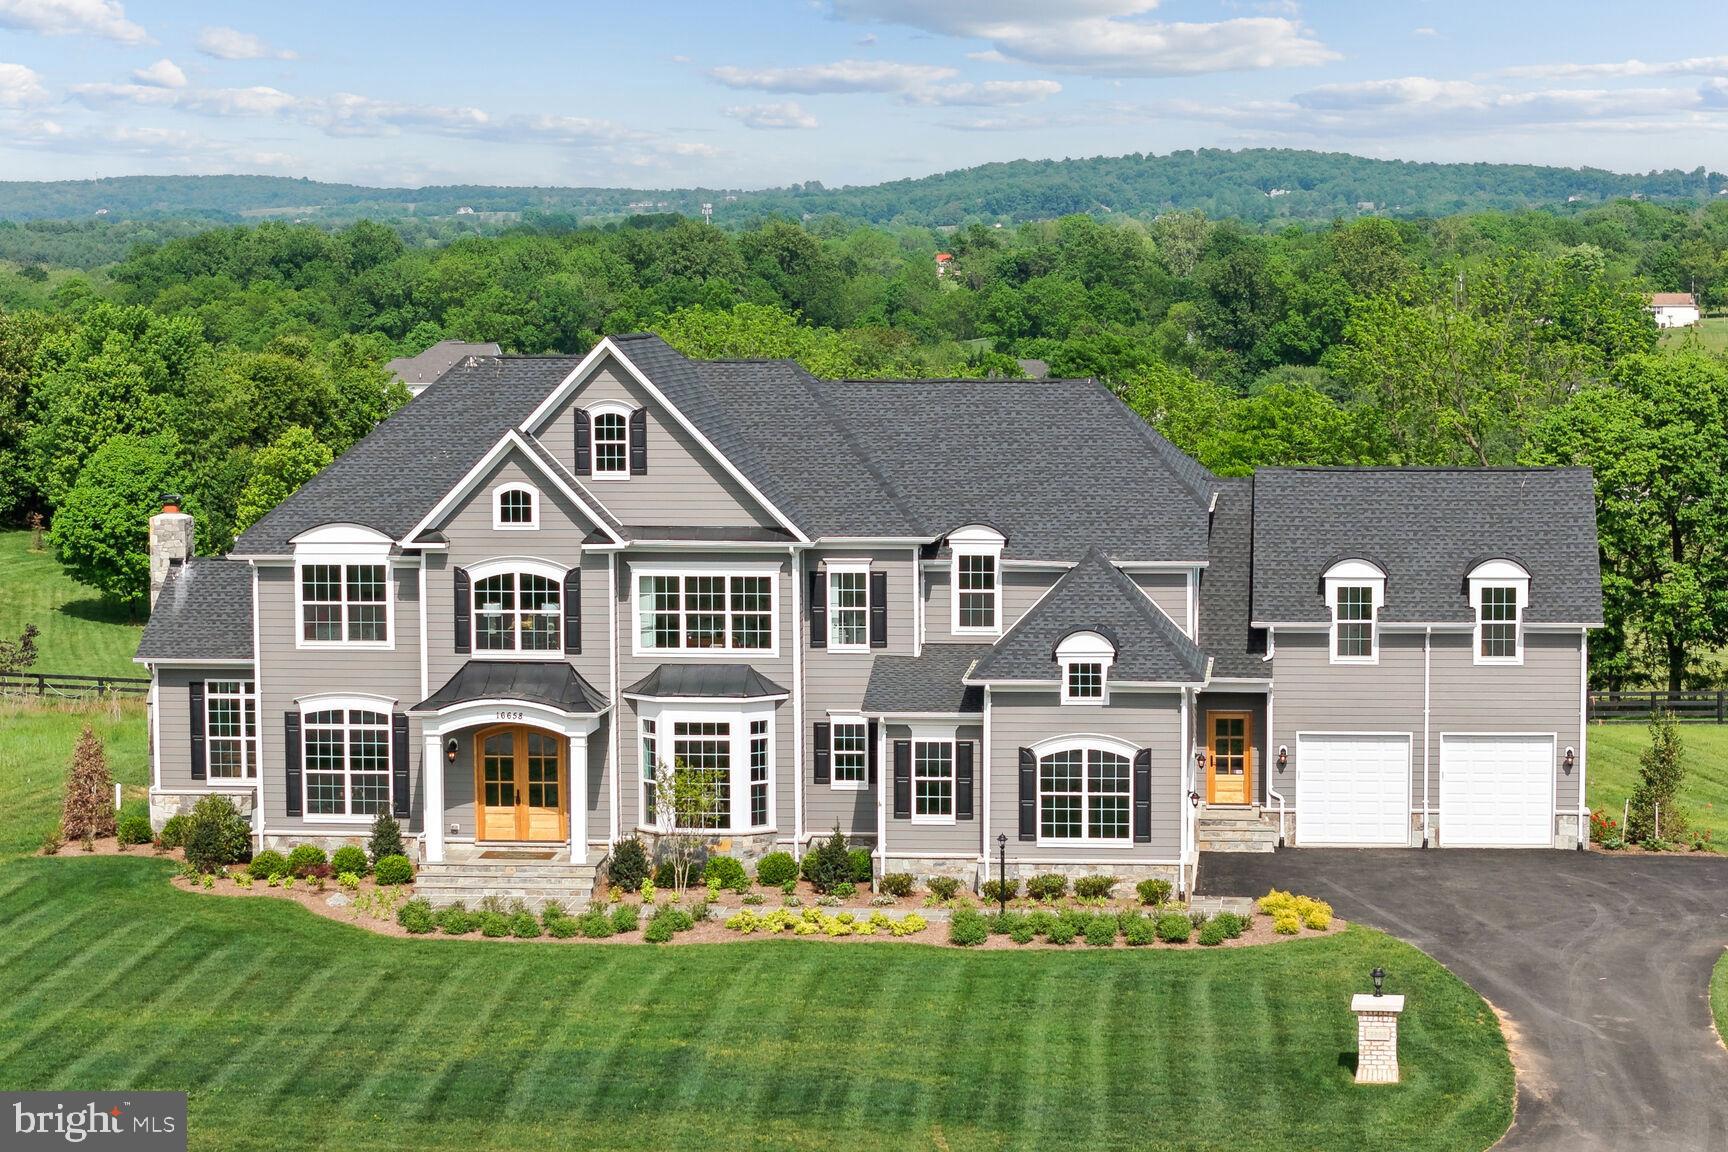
[[1694, 66], [841, 76], [233, 44], [102, 18], [162, 74], [986, 94], [987, 56], [20, 87], [1104, 37], [787, 115], [1424, 31]]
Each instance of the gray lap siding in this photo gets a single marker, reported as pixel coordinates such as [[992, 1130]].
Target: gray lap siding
[[1020, 590], [173, 727], [1168, 590], [962, 837]]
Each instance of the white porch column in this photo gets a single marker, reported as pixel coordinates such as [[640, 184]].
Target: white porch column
[[432, 789], [579, 798]]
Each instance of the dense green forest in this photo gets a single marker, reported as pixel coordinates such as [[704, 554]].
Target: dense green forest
[[231, 364]]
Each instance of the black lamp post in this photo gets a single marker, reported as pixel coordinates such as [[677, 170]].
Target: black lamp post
[[1379, 978], [1002, 870]]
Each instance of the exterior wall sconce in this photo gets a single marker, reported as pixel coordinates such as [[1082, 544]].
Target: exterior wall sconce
[[1284, 757], [450, 747], [1569, 761], [1200, 759], [1194, 799]]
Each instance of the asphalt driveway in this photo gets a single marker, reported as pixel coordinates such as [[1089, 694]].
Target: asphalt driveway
[[1601, 963]]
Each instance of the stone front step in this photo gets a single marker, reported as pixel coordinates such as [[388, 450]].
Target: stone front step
[[533, 883], [1239, 845], [1235, 831]]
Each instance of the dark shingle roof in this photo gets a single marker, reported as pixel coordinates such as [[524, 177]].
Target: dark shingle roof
[[1095, 596], [1237, 650], [927, 684], [423, 369], [705, 682], [550, 682], [399, 472], [1426, 527], [203, 613]]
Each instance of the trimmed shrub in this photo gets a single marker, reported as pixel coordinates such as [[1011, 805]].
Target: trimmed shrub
[[268, 863], [967, 928], [1094, 887], [563, 927], [216, 835], [393, 870], [1041, 920], [996, 891], [304, 857], [863, 865], [1153, 891], [456, 920], [494, 924], [1022, 933], [133, 828], [659, 931], [1004, 923], [386, 838], [524, 925], [1215, 932], [1139, 930], [1233, 925], [417, 917], [173, 834], [1047, 886], [1286, 923], [595, 924], [943, 887], [727, 872], [625, 918], [1316, 914], [1061, 932], [350, 858], [1101, 932], [775, 869], [830, 864], [1174, 928], [897, 884], [628, 866]]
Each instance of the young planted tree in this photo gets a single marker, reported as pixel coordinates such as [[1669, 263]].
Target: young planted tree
[[88, 813], [684, 800], [1655, 810]]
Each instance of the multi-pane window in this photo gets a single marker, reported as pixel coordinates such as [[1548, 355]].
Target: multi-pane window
[[611, 444], [706, 611], [517, 611], [1354, 614], [1083, 794], [346, 762], [1499, 616], [850, 752], [650, 766], [516, 508], [231, 729], [702, 767], [343, 603], [759, 767], [933, 779], [975, 591], [848, 608], [1085, 680]]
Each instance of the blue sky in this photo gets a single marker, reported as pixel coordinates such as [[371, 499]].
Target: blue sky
[[747, 94]]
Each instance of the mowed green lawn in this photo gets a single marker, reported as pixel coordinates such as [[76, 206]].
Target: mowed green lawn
[[1613, 772], [293, 1031], [1711, 332], [82, 634], [36, 751]]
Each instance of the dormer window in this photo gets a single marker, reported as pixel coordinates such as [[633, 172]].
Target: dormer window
[[1085, 659], [1499, 591], [976, 580], [515, 507], [342, 588], [1355, 591]]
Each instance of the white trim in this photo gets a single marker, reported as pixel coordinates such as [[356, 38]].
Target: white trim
[[1499, 574], [344, 703], [258, 691], [1583, 735], [772, 571], [800, 641], [614, 720], [831, 569], [338, 536], [251, 762], [474, 713], [917, 606], [432, 768], [1082, 648], [950, 737], [533, 522], [583, 370], [738, 720], [885, 768], [983, 809], [510, 439], [150, 663], [1554, 754], [856, 720], [515, 566], [1427, 680], [1083, 742], [1191, 591], [1409, 738]]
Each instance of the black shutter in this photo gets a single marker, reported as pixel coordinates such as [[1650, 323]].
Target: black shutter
[[195, 702], [902, 779], [823, 749], [399, 765], [573, 610], [291, 758], [878, 609], [584, 443], [818, 609], [872, 755], [1028, 795], [464, 601], [1143, 796], [639, 442], [963, 780]]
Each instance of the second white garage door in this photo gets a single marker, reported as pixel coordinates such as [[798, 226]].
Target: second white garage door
[[1353, 790], [1496, 791]]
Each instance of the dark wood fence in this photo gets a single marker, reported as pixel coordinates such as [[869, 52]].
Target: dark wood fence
[[1707, 707], [50, 685]]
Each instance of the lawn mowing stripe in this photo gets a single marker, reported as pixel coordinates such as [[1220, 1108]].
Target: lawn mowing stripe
[[881, 985], [1203, 1007], [274, 1092], [1031, 1075], [556, 1048], [704, 1051], [389, 1062], [455, 1056], [1118, 1020], [611, 1088], [60, 913], [23, 1009], [291, 1009], [956, 992], [787, 1055]]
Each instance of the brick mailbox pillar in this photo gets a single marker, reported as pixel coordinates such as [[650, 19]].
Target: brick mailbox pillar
[[1376, 1037]]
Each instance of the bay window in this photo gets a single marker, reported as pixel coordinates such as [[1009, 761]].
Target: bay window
[[707, 770]]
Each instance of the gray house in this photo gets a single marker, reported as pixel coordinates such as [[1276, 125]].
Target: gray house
[[944, 616]]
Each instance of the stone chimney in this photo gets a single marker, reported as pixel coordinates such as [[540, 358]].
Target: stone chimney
[[170, 543]]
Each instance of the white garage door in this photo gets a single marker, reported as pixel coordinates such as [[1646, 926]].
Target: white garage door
[[1353, 790], [1496, 791]]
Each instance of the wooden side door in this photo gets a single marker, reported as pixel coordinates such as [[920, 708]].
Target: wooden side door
[[1230, 758]]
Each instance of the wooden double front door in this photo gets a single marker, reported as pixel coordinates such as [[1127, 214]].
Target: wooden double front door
[[521, 782], [1229, 758]]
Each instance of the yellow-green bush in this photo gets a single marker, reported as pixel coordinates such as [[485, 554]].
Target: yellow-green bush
[[1287, 907], [1285, 922], [815, 921]]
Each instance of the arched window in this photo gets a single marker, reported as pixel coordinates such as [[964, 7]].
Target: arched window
[[611, 444], [1085, 791], [1499, 592], [1355, 592], [345, 756], [518, 607], [1085, 658], [515, 506]]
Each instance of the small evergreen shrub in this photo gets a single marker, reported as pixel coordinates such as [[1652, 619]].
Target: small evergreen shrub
[[1041, 921], [1286, 923], [1094, 887], [386, 838], [1198, 919], [1139, 931], [1004, 923], [863, 865], [776, 869], [830, 864], [1215, 932], [1047, 886], [1061, 932], [670, 873], [659, 931], [967, 928], [897, 884], [1234, 925], [304, 858], [726, 872], [268, 863], [1153, 891], [595, 924], [417, 917], [628, 866], [1174, 928], [1022, 933], [524, 924], [844, 891], [350, 858], [133, 828], [216, 835], [997, 891], [456, 920], [494, 924], [625, 918], [943, 887], [1101, 932], [563, 927], [173, 834], [393, 870]]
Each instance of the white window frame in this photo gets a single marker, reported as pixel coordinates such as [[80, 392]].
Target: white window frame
[[835, 723], [302, 561], [309, 705], [665, 717], [532, 524], [608, 408], [946, 737], [1355, 574], [726, 653], [247, 695], [1084, 743], [518, 566], [835, 569], [1499, 574], [1078, 649], [974, 541]]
